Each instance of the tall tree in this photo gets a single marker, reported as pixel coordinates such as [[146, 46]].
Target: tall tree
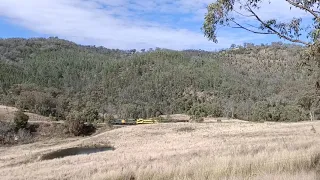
[[231, 13]]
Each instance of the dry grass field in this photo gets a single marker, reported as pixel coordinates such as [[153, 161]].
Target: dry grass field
[[7, 114], [178, 151]]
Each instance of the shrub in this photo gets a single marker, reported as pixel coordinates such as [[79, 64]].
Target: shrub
[[88, 129], [276, 113], [9, 135], [53, 130], [6, 133], [199, 110], [23, 136], [217, 111], [75, 127], [293, 114], [260, 111], [20, 120], [52, 118], [108, 118], [76, 124], [90, 114]]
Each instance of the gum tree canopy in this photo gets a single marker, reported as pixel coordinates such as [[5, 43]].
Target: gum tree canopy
[[231, 13]]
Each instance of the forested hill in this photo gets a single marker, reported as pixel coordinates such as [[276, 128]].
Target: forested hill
[[54, 77]]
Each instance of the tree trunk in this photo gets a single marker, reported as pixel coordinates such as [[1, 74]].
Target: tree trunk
[[311, 115]]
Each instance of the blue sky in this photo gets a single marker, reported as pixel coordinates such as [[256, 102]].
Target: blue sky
[[128, 24]]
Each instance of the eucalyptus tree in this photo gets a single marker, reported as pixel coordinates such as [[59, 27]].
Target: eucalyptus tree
[[230, 12]]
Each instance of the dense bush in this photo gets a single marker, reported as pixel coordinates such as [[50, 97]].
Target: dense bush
[[20, 120], [6, 133], [53, 77], [108, 119], [76, 125], [24, 136], [263, 111], [40, 100], [90, 114], [260, 111], [199, 110], [9, 135], [293, 113]]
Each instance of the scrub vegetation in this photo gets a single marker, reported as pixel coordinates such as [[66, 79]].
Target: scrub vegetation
[[59, 79]]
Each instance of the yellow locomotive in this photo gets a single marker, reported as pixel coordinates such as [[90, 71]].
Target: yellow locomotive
[[133, 121]]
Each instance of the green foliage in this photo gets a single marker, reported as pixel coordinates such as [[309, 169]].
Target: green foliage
[[53, 77], [232, 13], [260, 111], [40, 100], [90, 114], [200, 110], [263, 111], [6, 133], [10, 135], [20, 120], [293, 114], [278, 113], [75, 123]]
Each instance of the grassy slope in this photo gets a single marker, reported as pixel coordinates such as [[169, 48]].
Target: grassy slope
[[211, 151], [7, 114]]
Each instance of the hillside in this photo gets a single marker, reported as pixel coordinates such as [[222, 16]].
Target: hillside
[[7, 114], [54, 77]]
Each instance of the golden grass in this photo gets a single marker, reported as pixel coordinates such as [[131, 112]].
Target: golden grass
[[160, 151], [7, 114]]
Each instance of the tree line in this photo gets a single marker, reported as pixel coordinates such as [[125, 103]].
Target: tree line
[[55, 77]]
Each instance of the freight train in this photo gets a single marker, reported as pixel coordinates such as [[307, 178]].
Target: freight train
[[133, 121]]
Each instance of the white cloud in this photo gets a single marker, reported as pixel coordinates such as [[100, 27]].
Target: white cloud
[[121, 23]]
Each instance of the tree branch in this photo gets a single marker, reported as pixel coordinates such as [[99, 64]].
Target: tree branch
[[304, 8], [252, 26], [242, 14], [245, 28], [275, 31]]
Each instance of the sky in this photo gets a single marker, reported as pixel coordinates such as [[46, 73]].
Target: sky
[[129, 24]]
